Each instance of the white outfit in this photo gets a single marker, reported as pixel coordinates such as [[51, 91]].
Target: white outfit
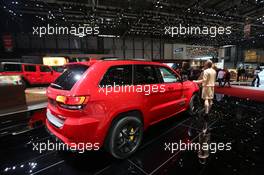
[[208, 84]]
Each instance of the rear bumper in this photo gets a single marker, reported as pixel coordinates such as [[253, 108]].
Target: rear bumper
[[74, 131]]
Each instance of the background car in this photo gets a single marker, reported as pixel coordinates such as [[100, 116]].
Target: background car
[[32, 74]]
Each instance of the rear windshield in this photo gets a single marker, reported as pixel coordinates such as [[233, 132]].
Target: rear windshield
[[67, 80]]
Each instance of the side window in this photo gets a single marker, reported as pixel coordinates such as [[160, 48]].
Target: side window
[[12, 67], [168, 76], [118, 75], [58, 68], [145, 74], [30, 68], [44, 69]]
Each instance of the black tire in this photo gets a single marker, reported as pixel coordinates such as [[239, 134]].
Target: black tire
[[194, 105], [125, 137], [24, 83]]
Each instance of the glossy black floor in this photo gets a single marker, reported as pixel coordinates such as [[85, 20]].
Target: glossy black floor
[[232, 120]]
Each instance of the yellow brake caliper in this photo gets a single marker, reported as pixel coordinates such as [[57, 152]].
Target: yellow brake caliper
[[131, 137]]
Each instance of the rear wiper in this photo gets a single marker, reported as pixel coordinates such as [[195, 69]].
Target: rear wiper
[[56, 85]]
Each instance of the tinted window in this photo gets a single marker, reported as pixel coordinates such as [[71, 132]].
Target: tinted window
[[72, 74], [168, 76], [44, 69], [58, 68], [12, 67], [30, 68], [118, 75], [145, 74]]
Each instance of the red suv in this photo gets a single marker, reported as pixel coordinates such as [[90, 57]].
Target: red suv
[[31, 74], [109, 103]]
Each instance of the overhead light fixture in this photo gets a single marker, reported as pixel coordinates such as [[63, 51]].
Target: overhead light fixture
[[109, 36], [227, 46]]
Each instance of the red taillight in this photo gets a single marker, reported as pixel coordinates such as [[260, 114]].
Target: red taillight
[[70, 102]]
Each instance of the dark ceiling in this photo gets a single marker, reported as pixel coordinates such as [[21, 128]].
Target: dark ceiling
[[140, 17]]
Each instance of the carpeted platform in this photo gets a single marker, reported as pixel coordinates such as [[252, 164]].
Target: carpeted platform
[[252, 93]]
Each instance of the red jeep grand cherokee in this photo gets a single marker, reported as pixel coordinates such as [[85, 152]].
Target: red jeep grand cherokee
[[110, 103], [31, 74]]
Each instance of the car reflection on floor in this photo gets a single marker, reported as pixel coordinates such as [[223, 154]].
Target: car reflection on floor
[[232, 120], [38, 119]]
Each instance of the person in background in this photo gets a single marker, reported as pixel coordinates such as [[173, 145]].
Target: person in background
[[178, 70], [186, 70], [246, 74], [220, 77], [196, 73], [227, 77], [243, 72], [208, 83], [238, 74], [256, 76]]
